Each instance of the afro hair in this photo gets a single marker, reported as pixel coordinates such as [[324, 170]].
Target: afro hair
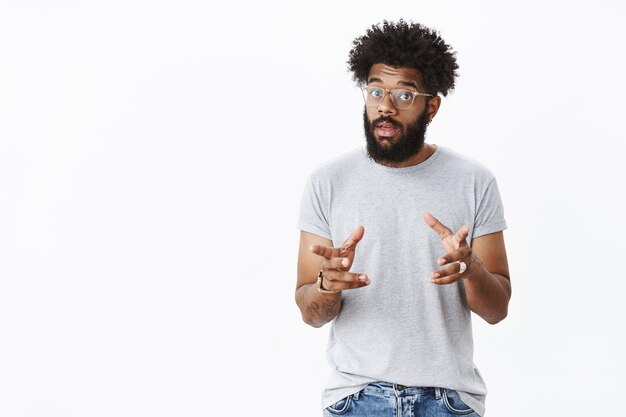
[[402, 44]]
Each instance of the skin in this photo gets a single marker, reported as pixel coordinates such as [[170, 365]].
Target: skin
[[486, 279], [317, 253], [384, 76]]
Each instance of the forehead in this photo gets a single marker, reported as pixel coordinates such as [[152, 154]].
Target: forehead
[[394, 75]]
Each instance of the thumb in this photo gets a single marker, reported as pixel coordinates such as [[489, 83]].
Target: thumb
[[354, 238], [461, 235]]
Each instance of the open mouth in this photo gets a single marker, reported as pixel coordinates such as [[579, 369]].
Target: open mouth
[[386, 129]]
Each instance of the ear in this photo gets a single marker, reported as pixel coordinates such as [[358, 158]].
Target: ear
[[433, 106]]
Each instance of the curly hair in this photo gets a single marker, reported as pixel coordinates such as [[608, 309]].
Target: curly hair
[[403, 44]]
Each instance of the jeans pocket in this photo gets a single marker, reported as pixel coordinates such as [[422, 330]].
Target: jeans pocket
[[454, 404], [341, 406]]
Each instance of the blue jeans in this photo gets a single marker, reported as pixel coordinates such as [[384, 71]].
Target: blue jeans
[[382, 399]]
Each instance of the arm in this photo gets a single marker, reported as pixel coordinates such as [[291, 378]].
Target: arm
[[486, 279], [317, 253], [317, 309], [487, 283]]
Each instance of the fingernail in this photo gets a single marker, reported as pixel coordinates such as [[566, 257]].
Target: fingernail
[[435, 275], [345, 262], [363, 277], [441, 261]]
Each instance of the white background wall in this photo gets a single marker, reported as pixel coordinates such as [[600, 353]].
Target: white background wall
[[152, 156]]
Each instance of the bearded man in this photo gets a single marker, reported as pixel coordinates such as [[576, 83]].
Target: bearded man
[[400, 240]]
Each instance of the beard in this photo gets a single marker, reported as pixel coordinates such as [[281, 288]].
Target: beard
[[409, 143]]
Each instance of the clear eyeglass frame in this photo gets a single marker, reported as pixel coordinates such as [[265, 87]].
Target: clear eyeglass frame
[[401, 98]]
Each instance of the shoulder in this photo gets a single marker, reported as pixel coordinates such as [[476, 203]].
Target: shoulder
[[463, 164], [339, 165]]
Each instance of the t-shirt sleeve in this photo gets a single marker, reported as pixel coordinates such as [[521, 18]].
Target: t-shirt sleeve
[[313, 217], [490, 212]]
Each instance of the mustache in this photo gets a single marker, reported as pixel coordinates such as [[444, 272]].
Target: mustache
[[386, 119]]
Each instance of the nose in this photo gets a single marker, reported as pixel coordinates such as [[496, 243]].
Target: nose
[[386, 106]]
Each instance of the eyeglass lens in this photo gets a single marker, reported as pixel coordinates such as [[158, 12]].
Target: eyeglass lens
[[401, 98]]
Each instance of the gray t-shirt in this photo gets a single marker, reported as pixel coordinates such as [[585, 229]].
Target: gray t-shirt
[[401, 328]]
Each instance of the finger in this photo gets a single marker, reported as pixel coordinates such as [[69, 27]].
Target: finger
[[324, 251], [436, 225], [451, 279], [340, 280], [354, 238], [458, 255], [337, 263], [343, 286], [451, 273]]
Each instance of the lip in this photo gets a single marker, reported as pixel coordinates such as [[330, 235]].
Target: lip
[[385, 129]]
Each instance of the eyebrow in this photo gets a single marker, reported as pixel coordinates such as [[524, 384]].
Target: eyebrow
[[406, 83]]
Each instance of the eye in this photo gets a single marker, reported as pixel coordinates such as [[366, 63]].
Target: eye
[[376, 92], [404, 95]]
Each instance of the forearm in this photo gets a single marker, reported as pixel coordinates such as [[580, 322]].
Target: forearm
[[317, 309], [487, 293]]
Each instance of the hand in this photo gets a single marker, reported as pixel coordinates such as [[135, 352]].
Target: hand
[[338, 261], [456, 249]]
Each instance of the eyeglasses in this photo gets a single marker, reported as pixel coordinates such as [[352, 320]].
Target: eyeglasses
[[401, 98]]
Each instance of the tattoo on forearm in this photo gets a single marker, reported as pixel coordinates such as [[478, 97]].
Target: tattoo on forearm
[[313, 309], [329, 309], [325, 312]]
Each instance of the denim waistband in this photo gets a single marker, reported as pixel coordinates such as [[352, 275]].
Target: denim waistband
[[387, 389]]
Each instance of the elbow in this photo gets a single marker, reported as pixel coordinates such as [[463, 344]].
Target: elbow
[[310, 319], [312, 323], [495, 319], [307, 318], [316, 314]]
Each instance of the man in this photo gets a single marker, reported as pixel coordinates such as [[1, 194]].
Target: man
[[397, 283]]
